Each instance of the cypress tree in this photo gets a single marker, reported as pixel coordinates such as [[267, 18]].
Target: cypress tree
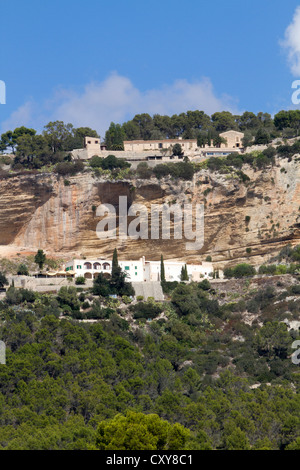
[[118, 284], [209, 138], [184, 274], [115, 270], [40, 258], [162, 269]]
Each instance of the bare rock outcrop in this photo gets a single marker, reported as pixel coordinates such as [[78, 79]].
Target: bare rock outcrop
[[243, 221]]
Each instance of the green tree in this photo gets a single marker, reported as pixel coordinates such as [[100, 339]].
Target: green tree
[[237, 440], [218, 140], [248, 120], [273, 340], [239, 271], [262, 137], [223, 121], [33, 151], [184, 273], [284, 119], [57, 134], [7, 141], [117, 284], [111, 162], [114, 137], [3, 280], [40, 259], [96, 162], [67, 295], [22, 270], [177, 150], [80, 280], [145, 124], [115, 268], [137, 431], [9, 138], [162, 269], [201, 139], [101, 286], [247, 140], [131, 131]]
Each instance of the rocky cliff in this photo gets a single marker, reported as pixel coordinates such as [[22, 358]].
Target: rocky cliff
[[243, 221]]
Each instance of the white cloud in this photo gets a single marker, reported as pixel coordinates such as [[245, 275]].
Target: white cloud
[[291, 43], [117, 99], [20, 117]]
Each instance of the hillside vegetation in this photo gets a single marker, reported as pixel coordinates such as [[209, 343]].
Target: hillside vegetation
[[213, 360]]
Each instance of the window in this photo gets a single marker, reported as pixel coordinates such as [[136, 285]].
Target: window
[[78, 267], [135, 267], [160, 146], [136, 274], [127, 268]]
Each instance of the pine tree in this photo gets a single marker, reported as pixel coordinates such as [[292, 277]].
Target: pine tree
[[115, 137], [119, 138]]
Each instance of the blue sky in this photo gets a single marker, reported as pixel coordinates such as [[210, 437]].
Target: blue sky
[[93, 62]]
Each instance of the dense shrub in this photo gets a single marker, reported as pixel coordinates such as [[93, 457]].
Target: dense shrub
[[239, 271], [168, 286], [18, 296], [115, 285], [205, 284], [67, 296], [80, 280], [180, 170], [111, 162], [98, 312], [146, 310], [143, 171], [69, 168], [267, 269], [96, 162], [22, 270], [295, 290]]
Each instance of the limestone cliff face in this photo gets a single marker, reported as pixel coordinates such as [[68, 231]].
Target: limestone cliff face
[[40, 211]]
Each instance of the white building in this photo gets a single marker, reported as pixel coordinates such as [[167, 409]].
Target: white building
[[139, 271]]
